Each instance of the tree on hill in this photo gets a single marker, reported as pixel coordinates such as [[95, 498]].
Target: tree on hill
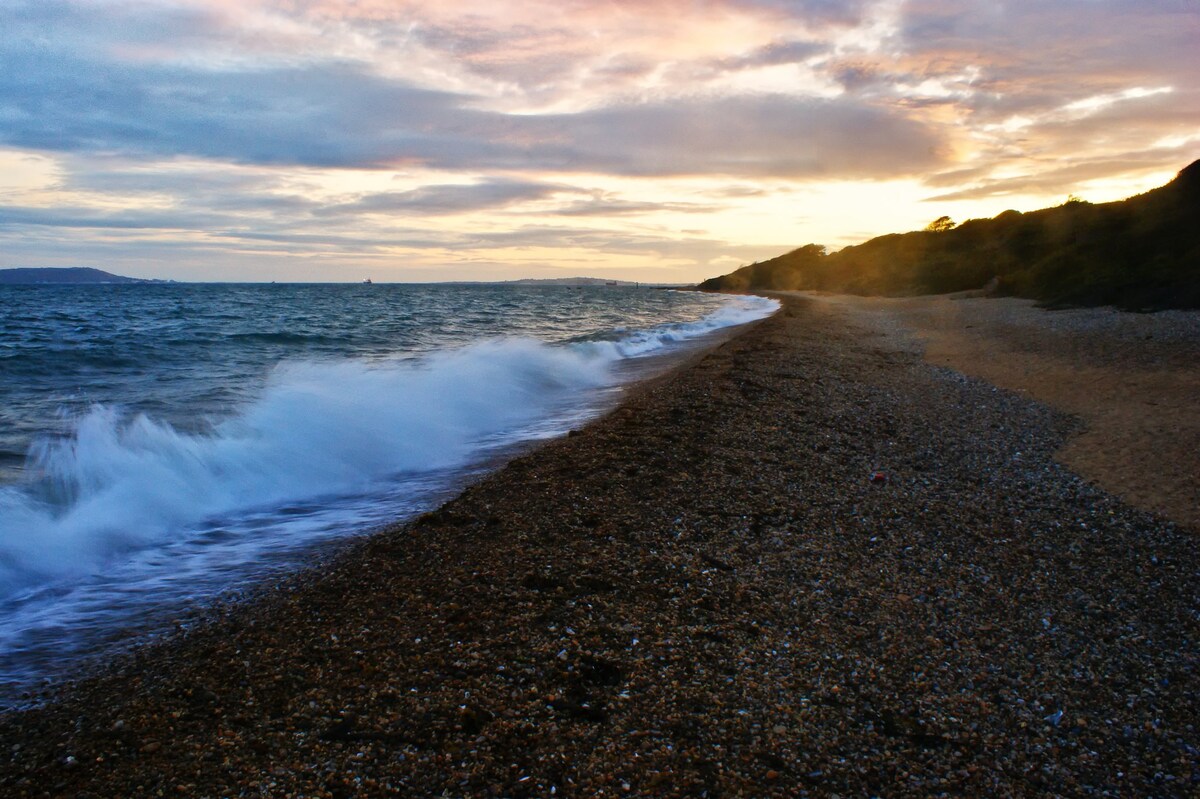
[[1142, 253]]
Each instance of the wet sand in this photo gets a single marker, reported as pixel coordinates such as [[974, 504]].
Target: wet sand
[[809, 563], [1133, 380]]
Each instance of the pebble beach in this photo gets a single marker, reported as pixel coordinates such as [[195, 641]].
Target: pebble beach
[[804, 563]]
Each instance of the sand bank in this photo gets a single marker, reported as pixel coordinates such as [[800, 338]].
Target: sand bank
[[1133, 379], [809, 563]]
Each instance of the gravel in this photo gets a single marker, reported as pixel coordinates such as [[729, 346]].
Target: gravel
[[805, 564]]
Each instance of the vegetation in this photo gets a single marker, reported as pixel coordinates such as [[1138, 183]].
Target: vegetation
[[1141, 253]]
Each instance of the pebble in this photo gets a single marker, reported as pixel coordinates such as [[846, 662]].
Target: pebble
[[747, 616]]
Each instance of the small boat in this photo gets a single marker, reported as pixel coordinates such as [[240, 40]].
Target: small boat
[[367, 282]]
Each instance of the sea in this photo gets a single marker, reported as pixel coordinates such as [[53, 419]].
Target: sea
[[168, 447]]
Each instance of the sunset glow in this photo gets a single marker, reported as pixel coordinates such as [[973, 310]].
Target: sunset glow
[[658, 141]]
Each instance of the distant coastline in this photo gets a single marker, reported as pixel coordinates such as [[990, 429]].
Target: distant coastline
[[51, 275], [585, 281], [77, 275]]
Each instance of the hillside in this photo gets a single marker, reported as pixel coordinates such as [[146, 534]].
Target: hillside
[[74, 274], [1138, 253]]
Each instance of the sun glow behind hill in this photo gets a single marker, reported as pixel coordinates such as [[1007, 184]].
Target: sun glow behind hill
[[1142, 253]]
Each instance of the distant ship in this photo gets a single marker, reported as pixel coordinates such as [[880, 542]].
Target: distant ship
[[367, 282]]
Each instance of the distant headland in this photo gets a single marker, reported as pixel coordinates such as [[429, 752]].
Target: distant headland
[[62, 275], [567, 281]]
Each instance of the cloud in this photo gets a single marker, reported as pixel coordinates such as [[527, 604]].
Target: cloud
[[1027, 89], [251, 124], [1062, 151], [699, 250], [410, 239], [90, 172], [153, 240], [452, 198], [97, 219], [543, 54], [760, 136], [1034, 57], [775, 53], [337, 115], [1066, 179], [404, 76], [608, 207], [334, 115]]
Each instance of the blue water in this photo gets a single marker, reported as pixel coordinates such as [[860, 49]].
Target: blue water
[[162, 445]]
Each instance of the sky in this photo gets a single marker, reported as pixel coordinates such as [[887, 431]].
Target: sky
[[657, 140]]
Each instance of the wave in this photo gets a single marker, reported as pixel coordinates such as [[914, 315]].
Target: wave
[[646, 342], [121, 482], [282, 337]]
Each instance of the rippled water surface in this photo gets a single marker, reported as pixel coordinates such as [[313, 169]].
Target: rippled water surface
[[162, 444]]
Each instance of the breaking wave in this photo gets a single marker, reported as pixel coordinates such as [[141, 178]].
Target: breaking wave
[[121, 483]]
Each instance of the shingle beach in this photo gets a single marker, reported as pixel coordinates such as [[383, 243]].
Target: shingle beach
[[805, 563]]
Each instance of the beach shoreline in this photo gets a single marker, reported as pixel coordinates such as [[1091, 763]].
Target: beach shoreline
[[804, 562]]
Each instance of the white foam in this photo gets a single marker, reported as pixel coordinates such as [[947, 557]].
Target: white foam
[[121, 483], [738, 311]]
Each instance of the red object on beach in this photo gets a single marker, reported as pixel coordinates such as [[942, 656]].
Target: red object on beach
[[879, 477]]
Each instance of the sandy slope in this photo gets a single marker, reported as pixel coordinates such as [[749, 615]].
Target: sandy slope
[[1134, 380]]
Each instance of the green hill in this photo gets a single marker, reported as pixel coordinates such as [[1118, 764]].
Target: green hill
[[1140, 253]]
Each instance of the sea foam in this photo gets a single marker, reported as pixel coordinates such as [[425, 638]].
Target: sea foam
[[120, 483]]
